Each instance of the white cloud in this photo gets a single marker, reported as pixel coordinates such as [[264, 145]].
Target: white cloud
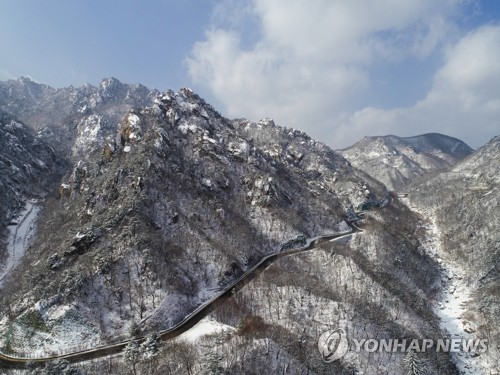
[[271, 81], [472, 71], [341, 31], [464, 100], [308, 64]]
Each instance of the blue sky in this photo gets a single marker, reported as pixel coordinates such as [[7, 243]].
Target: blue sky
[[337, 69], [61, 42]]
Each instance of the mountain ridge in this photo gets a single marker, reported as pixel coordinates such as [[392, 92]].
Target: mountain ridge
[[59, 116], [463, 206]]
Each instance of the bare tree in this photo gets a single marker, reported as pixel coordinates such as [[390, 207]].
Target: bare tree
[[413, 364]]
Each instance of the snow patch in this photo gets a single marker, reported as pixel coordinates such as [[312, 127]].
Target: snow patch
[[208, 139], [205, 327], [90, 134], [185, 128], [133, 119], [206, 182]]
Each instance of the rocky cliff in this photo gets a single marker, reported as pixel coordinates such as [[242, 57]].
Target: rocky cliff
[[175, 205]]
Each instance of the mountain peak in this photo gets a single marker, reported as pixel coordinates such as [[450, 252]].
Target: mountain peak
[[109, 82]]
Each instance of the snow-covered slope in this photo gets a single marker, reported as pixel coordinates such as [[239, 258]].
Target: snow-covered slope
[[398, 161], [21, 232], [177, 204], [464, 204]]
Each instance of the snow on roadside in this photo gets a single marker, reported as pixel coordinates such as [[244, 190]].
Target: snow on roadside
[[204, 327], [20, 236]]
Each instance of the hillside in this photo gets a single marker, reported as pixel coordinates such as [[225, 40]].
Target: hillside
[[464, 208], [184, 201], [176, 204]]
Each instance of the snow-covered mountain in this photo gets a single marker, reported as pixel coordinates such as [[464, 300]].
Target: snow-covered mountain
[[398, 161], [163, 202], [187, 200], [74, 120]]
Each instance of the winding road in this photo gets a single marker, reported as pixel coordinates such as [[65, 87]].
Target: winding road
[[9, 361]]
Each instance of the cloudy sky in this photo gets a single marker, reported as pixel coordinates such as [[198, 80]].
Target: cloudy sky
[[337, 69]]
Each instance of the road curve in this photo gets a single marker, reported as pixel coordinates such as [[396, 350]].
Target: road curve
[[7, 361]]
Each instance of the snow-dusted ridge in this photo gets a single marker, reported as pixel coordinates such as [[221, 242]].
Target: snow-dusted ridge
[[249, 181], [256, 186]]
